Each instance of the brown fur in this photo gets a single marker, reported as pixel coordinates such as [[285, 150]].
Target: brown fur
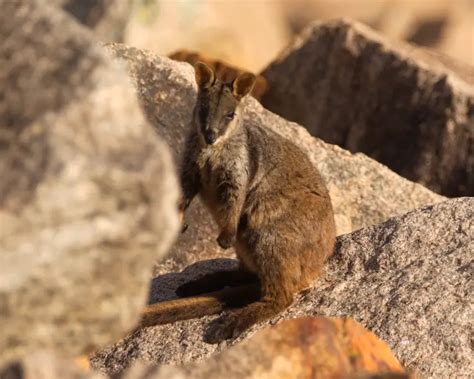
[[205, 304], [224, 71], [266, 197]]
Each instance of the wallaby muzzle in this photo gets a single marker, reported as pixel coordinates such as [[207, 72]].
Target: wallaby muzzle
[[210, 137]]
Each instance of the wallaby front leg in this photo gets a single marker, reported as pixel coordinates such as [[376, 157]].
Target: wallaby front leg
[[228, 233], [182, 206], [189, 177], [190, 186]]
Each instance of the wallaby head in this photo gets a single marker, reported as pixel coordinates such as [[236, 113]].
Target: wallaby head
[[218, 107]]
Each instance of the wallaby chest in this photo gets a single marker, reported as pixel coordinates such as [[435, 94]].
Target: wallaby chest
[[220, 166]]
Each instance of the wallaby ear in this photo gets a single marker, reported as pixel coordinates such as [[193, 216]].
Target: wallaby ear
[[204, 75], [243, 85]]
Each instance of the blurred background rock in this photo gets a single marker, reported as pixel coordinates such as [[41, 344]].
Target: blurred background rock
[[251, 33], [108, 18]]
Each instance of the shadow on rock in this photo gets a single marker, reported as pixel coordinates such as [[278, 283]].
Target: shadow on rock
[[164, 287]]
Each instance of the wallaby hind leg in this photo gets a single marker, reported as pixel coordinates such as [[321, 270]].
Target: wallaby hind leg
[[216, 280], [235, 322]]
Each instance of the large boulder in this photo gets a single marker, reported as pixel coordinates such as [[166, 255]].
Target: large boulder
[[408, 280], [87, 192], [408, 108]]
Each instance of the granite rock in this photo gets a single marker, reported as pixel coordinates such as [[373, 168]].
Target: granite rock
[[409, 108], [88, 194]]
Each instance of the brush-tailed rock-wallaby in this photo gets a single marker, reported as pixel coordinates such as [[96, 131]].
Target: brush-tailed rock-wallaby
[[269, 202]]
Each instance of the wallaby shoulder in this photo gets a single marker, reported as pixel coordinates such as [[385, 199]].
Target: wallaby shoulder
[[282, 161]]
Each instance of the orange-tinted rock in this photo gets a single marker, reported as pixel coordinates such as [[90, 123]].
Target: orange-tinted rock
[[224, 71], [318, 347]]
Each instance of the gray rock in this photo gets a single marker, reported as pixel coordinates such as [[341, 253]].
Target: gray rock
[[408, 280], [87, 196], [406, 107], [107, 18]]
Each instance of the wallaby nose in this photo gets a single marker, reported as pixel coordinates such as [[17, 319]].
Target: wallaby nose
[[210, 137]]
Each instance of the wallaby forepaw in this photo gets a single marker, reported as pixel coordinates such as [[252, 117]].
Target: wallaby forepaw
[[226, 240]]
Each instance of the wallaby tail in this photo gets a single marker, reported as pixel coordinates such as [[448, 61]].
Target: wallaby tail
[[197, 306]]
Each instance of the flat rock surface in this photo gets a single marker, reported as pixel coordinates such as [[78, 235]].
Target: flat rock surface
[[406, 107], [88, 195], [408, 280]]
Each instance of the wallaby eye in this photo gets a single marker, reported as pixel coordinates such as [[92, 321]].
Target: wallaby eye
[[230, 116]]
